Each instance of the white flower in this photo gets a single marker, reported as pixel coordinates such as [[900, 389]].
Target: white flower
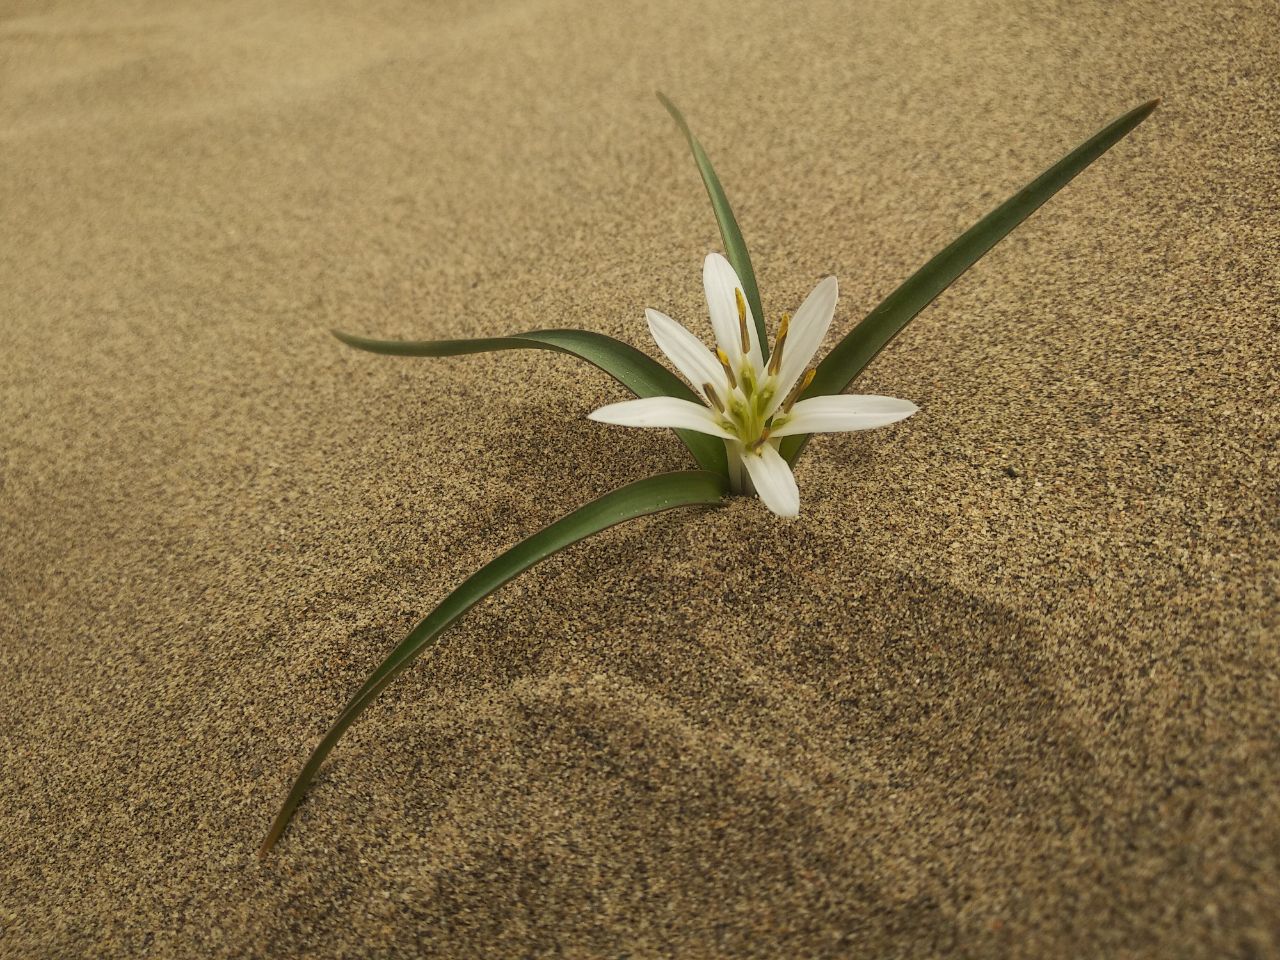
[[749, 404]]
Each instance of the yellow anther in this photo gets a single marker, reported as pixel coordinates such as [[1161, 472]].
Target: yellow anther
[[710, 391], [775, 361], [742, 319], [728, 369], [798, 389]]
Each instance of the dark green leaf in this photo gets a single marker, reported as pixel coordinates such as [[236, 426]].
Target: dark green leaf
[[636, 371], [869, 337], [651, 495], [735, 248]]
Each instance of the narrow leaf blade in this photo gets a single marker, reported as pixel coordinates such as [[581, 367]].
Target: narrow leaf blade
[[843, 364], [635, 370], [735, 248], [651, 495]]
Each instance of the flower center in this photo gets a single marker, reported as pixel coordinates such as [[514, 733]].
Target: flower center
[[749, 411]]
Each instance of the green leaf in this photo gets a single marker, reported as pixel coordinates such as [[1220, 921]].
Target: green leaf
[[735, 248], [651, 495], [869, 337], [636, 371]]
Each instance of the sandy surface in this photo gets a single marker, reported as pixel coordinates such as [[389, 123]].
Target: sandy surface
[[1009, 686]]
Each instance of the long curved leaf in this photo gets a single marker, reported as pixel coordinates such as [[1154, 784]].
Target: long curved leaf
[[882, 324], [735, 248], [651, 495], [636, 371]]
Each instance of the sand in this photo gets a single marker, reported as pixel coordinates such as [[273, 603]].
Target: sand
[[1009, 686]]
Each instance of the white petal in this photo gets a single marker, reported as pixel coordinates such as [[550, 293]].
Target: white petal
[[662, 412], [688, 353], [773, 480], [720, 282], [841, 412], [808, 328]]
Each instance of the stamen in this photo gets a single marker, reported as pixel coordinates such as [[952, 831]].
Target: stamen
[[742, 319], [728, 369], [775, 361], [710, 391], [764, 438], [798, 389]]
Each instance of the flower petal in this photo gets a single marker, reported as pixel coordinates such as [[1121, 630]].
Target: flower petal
[[842, 412], [690, 356], [808, 328], [662, 412], [720, 281], [773, 480]]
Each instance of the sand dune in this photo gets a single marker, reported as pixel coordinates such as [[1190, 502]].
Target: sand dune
[[1008, 687]]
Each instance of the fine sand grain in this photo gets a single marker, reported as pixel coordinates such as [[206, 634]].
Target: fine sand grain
[[1008, 687]]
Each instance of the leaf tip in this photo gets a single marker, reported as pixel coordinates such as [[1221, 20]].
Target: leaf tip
[[676, 115], [1148, 108], [277, 828]]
